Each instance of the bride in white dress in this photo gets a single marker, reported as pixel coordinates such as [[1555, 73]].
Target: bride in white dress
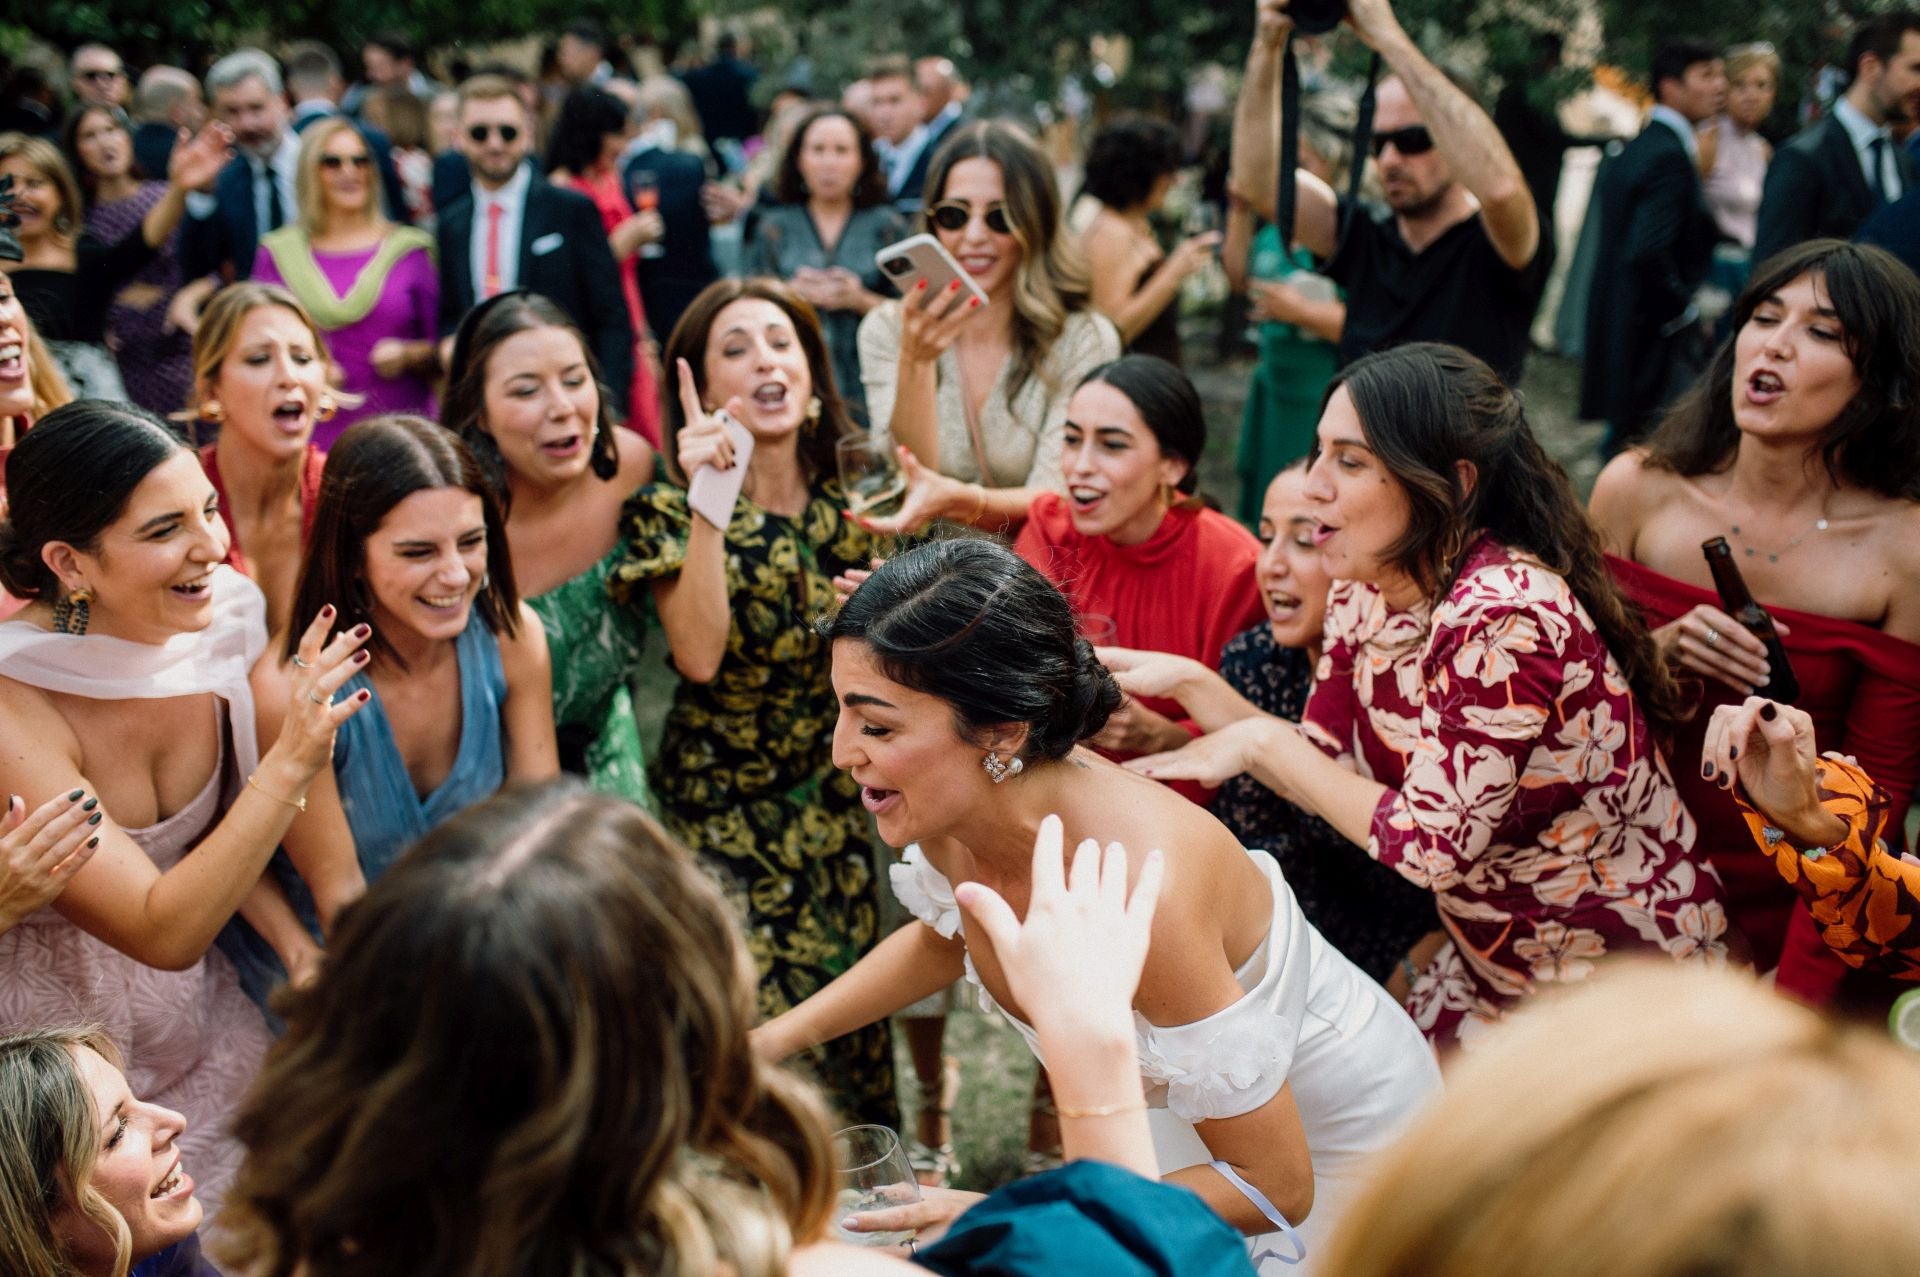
[[1274, 1067]]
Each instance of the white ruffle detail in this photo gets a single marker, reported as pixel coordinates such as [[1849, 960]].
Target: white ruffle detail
[[1223, 1066], [925, 892]]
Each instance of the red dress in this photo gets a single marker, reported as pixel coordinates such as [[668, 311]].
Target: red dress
[[309, 501], [1523, 787], [644, 398], [1186, 589], [1862, 689]]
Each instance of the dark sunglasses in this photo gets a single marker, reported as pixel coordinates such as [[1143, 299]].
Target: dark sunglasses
[[953, 215], [341, 161], [1412, 140], [507, 132], [100, 75]]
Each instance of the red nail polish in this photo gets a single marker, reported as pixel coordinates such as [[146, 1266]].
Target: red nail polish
[[361, 631], [364, 696], [326, 613], [973, 304], [361, 657]]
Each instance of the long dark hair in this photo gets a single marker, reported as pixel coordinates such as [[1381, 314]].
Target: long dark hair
[[373, 467], [689, 342], [70, 142], [463, 409], [69, 479], [1166, 401], [1425, 407], [528, 1054], [971, 622], [1874, 442], [587, 114], [869, 189]]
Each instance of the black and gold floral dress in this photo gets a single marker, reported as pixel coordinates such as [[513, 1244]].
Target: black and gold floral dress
[[745, 776]]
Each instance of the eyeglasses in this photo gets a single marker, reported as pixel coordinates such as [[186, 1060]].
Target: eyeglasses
[[1412, 140], [509, 133], [337, 162], [115, 74], [953, 215]]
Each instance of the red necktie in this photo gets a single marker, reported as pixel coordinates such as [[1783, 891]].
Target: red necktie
[[491, 284]]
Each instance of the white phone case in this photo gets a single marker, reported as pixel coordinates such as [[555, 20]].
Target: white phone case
[[924, 257], [712, 493]]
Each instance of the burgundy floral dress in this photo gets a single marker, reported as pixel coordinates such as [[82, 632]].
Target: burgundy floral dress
[[1524, 789]]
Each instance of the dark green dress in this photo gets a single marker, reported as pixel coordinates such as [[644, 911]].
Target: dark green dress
[[745, 776], [1283, 399], [595, 649]]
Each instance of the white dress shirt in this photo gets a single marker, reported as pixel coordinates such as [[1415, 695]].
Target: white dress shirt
[[285, 166], [1863, 133], [512, 199]]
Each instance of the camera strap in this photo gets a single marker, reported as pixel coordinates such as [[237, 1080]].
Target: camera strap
[[1287, 198]]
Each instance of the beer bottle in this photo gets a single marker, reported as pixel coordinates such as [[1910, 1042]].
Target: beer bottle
[[1739, 603]]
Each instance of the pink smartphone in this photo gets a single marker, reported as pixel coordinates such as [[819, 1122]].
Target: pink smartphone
[[924, 257], [712, 493]]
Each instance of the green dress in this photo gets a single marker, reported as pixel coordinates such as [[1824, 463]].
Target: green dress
[[745, 776], [595, 649], [1283, 398]]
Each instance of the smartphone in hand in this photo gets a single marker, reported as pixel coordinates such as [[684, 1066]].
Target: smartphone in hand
[[712, 493], [923, 257]]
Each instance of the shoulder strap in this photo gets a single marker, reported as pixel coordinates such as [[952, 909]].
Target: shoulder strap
[[973, 423]]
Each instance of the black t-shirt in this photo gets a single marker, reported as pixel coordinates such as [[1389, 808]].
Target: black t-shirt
[[1457, 290]]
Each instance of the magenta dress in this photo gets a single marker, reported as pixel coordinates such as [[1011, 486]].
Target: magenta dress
[[408, 308], [1524, 789]]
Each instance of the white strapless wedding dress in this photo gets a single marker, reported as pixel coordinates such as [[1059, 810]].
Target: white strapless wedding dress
[[1360, 1069]]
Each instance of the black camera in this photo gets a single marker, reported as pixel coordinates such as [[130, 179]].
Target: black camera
[[898, 266], [1316, 17]]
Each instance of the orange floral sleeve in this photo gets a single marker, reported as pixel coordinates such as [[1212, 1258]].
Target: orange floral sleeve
[[1863, 895]]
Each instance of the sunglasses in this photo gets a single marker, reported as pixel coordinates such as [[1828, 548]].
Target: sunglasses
[[100, 75], [338, 162], [953, 215], [1412, 140], [508, 132]]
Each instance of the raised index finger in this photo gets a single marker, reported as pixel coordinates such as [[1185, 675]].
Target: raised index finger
[[689, 393]]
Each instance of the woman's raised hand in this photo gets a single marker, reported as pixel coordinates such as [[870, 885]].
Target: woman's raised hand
[[1709, 642], [1218, 756], [929, 320], [702, 439], [1768, 747], [198, 158], [1142, 673], [324, 662], [930, 495], [42, 850]]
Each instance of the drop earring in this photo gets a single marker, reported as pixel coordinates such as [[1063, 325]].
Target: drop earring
[[71, 614], [325, 407], [211, 412], [999, 771]]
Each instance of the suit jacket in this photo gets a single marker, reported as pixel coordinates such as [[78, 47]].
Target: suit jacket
[[565, 256], [1655, 248], [224, 243], [913, 190], [452, 178], [670, 282], [379, 145], [1815, 188], [153, 149], [1896, 228]]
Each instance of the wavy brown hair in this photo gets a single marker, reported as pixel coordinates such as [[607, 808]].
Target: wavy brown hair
[[689, 342], [1426, 407], [527, 1057], [50, 1139]]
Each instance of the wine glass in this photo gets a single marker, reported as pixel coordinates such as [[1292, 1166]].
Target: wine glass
[[874, 1174], [646, 199], [872, 480]]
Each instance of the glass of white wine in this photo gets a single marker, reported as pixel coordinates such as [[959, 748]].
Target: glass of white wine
[[874, 1174], [873, 481]]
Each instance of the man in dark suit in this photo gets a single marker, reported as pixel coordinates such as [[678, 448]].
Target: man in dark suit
[[1645, 342], [935, 81], [1827, 179], [512, 229], [722, 93], [255, 192], [669, 281], [315, 86]]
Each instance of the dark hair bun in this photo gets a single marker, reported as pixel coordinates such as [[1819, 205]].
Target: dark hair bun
[[1089, 703], [22, 574]]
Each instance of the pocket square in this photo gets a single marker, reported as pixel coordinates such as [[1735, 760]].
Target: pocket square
[[547, 243]]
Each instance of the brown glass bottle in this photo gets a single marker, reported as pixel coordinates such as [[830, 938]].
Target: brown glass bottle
[[1739, 603]]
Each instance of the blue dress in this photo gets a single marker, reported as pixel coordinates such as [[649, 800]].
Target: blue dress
[[383, 810]]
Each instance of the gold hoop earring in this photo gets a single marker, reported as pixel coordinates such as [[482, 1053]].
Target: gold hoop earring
[[71, 614], [1455, 548], [211, 411], [814, 409], [325, 407]]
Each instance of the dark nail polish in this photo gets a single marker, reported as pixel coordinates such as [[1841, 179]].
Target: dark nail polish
[[1733, 751], [76, 795], [1769, 711], [361, 657], [93, 842], [365, 696], [1706, 771], [95, 818], [11, 800], [90, 804], [327, 611]]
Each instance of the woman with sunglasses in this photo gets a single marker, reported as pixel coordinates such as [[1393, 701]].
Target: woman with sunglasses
[[369, 284], [979, 392]]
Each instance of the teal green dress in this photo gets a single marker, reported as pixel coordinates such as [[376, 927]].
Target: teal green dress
[[1283, 398], [596, 647]]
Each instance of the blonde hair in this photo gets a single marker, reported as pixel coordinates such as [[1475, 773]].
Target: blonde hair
[[49, 1140], [307, 191], [1742, 58], [220, 328], [53, 166], [1666, 1120]]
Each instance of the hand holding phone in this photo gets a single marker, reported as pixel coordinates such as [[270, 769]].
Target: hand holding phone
[[713, 449], [922, 257]]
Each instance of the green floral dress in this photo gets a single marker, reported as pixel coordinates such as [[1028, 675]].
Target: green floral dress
[[745, 773], [595, 650]]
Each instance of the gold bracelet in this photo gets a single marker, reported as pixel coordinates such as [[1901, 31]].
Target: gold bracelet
[[981, 509], [299, 804], [1105, 1110]]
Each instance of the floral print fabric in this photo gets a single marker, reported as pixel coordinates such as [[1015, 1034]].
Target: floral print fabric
[[1524, 789], [1863, 895], [745, 776]]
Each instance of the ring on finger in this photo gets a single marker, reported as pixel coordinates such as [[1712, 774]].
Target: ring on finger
[[1713, 637], [314, 696], [301, 663]]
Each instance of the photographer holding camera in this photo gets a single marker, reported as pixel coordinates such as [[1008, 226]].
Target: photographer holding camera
[[1456, 255]]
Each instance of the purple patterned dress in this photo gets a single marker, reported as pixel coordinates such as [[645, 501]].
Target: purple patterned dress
[[156, 361]]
